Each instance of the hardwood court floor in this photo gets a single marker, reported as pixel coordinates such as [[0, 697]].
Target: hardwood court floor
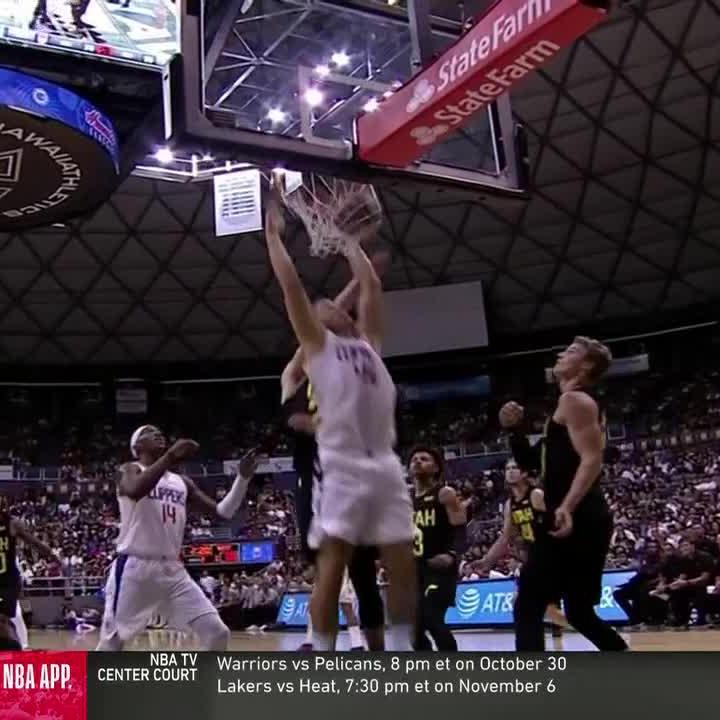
[[477, 641]]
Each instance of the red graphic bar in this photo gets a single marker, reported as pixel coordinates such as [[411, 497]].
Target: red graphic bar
[[514, 38], [43, 684]]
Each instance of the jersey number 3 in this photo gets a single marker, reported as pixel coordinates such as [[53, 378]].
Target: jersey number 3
[[418, 545], [168, 512]]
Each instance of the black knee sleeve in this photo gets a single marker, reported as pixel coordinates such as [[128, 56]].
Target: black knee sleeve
[[363, 576], [433, 613], [9, 643]]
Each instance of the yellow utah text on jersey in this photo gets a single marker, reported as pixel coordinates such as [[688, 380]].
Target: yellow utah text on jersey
[[425, 518]]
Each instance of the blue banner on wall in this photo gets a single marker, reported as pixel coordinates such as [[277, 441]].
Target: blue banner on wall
[[481, 603], [433, 391]]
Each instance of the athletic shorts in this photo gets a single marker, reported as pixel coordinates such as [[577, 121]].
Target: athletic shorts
[[571, 567], [363, 501], [138, 588]]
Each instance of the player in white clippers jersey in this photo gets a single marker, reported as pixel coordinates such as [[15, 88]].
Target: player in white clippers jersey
[[364, 499], [148, 575]]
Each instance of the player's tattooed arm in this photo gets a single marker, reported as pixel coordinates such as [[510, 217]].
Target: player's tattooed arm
[[537, 500], [308, 329], [512, 416], [136, 483], [456, 512], [20, 530], [458, 518], [501, 546]]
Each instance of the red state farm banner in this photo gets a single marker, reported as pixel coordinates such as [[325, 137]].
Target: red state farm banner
[[514, 38], [49, 685]]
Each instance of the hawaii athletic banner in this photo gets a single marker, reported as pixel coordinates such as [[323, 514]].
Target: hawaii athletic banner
[[514, 38]]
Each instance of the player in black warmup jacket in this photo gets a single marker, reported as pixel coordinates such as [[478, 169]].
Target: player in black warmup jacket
[[440, 521], [569, 458]]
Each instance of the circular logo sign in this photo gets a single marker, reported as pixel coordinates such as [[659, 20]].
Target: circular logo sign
[[468, 603], [59, 154], [288, 608]]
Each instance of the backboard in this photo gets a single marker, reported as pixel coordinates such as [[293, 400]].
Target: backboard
[[366, 89], [283, 82]]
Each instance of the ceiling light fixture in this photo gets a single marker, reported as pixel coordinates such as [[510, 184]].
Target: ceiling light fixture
[[164, 155], [341, 59], [314, 97], [276, 116]]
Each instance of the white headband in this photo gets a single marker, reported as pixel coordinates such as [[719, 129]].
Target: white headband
[[135, 437]]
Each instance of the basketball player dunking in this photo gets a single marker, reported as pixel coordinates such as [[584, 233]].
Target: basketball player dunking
[[364, 500], [570, 460], [524, 518], [440, 521], [148, 575], [300, 410]]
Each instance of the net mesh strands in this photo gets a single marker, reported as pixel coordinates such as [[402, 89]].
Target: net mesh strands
[[336, 213]]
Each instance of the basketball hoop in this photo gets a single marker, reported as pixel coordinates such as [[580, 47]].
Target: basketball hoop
[[336, 213]]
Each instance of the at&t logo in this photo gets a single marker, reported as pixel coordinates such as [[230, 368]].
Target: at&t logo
[[468, 603], [288, 608]]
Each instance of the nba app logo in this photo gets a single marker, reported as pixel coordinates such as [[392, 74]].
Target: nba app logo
[[468, 603]]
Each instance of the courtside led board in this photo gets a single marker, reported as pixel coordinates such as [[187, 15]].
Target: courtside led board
[[509, 42]]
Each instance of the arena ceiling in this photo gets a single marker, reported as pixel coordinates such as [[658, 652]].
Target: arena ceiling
[[623, 222]]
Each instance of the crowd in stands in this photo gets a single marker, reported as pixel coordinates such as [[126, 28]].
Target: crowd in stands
[[660, 496]]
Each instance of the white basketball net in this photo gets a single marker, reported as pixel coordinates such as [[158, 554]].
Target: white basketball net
[[336, 213]]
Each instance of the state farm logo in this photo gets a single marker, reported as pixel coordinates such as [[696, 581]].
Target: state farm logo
[[422, 94], [429, 135]]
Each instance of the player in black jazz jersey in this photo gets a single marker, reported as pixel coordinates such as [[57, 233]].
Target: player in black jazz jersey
[[569, 458], [440, 521], [10, 529], [524, 520]]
